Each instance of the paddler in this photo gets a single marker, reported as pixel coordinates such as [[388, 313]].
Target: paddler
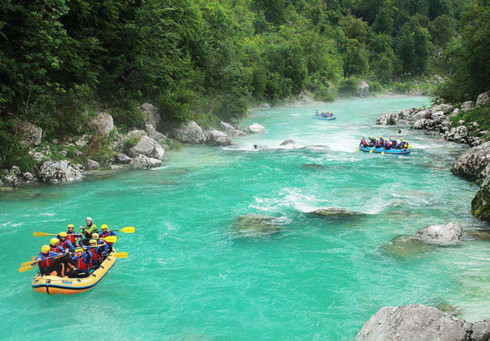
[[88, 230], [372, 141], [83, 263], [400, 144], [65, 244], [54, 245], [71, 235], [106, 233], [363, 142], [46, 261], [97, 253]]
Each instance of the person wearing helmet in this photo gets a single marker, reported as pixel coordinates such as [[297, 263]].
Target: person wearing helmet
[[378, 144], [363, 142], [55, 246], [103, 249], [372, 141], [65, 243], [393, 143], [82, 262], [96, 252], [106, 233], [405, 145], [88, 230], [387, 145], [71, 235], [46, 261]]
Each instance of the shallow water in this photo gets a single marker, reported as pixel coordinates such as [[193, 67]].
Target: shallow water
[[190, 275]]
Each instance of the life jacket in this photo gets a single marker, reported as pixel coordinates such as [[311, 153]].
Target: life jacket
[[82, 265], [95, 256], [71, 237], [57, 249], [379, 144], [393, 144], [363, 142], [45, 263]]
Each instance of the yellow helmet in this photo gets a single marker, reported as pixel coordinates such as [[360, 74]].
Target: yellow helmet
[[381, 137], [401, 139], [78, 249], [95, 236], [71, 225], [93, 241], [104, 227], [63, 234], [45, 248], [54, 241]]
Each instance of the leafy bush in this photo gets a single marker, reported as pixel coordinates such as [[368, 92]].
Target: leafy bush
[[348, 86]]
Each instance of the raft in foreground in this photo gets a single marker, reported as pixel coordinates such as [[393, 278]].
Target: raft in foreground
[[53, 285], [389, 151], [325, 118]]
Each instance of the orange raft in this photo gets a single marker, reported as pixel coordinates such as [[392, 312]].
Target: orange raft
[[53, 285]]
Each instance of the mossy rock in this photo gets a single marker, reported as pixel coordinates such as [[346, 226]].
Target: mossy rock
[[480, 205], [406, 247], [337, 212], [254, 225]]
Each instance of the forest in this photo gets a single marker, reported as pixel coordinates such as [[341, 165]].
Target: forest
[[63, 60]]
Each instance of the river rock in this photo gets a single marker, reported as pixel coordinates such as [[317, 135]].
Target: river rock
[[11, 180], [338, 212], [287, 142], [148, 147], [423, 124], [91, 164], [438, 116], [480, 205], [216, 138], [122, 158], [102, 124], [424, 113], [232, 131], [458, 134], [143, 162], [189, 132], [28, 176], [31, 134], [151, 114], [445, 108], [445, 234], [256, 128], [363, 88], [481, 331], [466, 106], [59, 171], [472, 162], [264, 105], [482, 99], [415, 322], [255, 225], [386, 120], [157, 136], [406, 247]]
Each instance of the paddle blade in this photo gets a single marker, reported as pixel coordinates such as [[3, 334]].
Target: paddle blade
[[121, 255], [371, 151], [129, 229], [358, 149], [110, 239], [28, 263], [43, 234], [26, 268], [382, 153]]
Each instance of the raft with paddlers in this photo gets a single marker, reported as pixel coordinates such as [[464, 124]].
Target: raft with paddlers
[[327, 116], [382, 150], [74, 262], [330, 118]]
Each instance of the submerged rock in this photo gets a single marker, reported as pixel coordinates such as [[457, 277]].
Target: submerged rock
[[287, 142], [313, 166], [445, 234], [480, 234], [416, 322], [256, 128], [337, 212], [405, 247], [255, 225]]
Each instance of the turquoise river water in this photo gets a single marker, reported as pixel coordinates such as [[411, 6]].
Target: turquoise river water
[[191, 276]]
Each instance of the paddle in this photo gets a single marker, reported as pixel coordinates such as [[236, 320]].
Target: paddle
[[129, 229], [109, 239], [44, 234]]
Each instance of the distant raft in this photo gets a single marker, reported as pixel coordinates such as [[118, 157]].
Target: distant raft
[[382, 150], [53, 285], [331, 118]]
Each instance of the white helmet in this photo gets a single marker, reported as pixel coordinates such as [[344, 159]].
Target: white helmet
[[88, 219]]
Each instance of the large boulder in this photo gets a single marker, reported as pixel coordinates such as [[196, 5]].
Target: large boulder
[[231, 130], [102, 124], [59, 171], [217, 138], [445, 234], [386, 120], [30, 134], [480, 205], [458, 134], [12, 180], [91, 164], [423, 124], [471, 164], [445, 108], [189, 132], [157, 136], [481, 331], [466, 106], [424, 113], [482, 99], [148, 147], [415, 322], [122, 158], [143, 162], [256, 128], [151, 114]]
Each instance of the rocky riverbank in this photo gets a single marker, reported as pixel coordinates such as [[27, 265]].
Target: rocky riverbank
[[107, 147], [441, 119]]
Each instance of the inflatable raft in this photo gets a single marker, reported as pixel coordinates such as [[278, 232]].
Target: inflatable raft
[[389, 151], [324, 118], [53, 285]]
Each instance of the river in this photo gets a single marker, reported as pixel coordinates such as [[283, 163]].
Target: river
[[190, 276]]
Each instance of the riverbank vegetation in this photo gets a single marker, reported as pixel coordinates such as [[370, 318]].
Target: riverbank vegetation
[[61, 61]]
